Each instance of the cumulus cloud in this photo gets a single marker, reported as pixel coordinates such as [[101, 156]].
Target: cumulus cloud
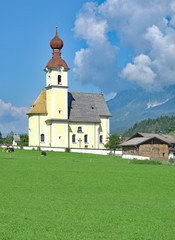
[[90, 27], [147, 28], [130, 19], [99, 60], [140, 71], [12, 118]]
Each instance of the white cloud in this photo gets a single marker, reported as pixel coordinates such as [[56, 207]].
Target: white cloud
[[98, 62], [131, 19], [162, 54], [90, 27], [140, 71], [144, 27], [12, 118]]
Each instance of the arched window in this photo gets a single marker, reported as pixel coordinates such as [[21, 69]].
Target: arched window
[[79, 129], [42, 137], [101, 138], [74, 138], [85, 138], [59, 79]]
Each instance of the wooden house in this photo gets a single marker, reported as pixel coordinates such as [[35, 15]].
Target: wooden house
[[149, 145]]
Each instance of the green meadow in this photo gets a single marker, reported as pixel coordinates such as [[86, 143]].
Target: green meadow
[[71, 196]]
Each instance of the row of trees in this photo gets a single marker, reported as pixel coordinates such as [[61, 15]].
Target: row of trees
[[8, 140], [165, 124]]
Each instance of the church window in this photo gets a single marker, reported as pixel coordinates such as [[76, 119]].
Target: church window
[[101, 138], [79, 130], [42, 137], [59, 137], [59, 79], [73, 138], [85, 138], [59, 111]]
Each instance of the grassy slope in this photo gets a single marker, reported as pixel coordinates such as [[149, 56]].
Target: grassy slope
[[70, 196]]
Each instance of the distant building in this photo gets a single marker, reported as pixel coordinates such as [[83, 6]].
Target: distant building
[[16, 139], [151, 145], [59, 118]]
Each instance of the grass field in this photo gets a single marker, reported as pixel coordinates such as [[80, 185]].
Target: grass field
[[69, 196]]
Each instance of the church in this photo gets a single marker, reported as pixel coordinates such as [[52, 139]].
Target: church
[[59, 118]]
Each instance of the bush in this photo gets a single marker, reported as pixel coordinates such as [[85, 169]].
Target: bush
[[152, 162], [172, 160], [67, 149]]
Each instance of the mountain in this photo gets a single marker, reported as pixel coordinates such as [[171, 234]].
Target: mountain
[[133, 105]]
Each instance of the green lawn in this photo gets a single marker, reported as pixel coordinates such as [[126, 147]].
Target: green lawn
[[71, 196]]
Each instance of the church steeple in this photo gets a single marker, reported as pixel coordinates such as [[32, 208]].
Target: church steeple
[[57, 82], [56, 44]]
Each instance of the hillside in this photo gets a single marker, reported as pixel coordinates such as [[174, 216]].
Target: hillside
[[166, 124], [134, 105]]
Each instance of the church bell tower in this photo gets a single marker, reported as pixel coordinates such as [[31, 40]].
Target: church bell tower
[[57, 92]]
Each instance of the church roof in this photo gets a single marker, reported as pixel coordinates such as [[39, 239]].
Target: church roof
[[39, 106], [82, 107], [57, 61], [87, 107]]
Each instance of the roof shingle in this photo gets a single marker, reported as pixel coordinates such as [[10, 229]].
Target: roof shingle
[[87, 107], [39, 106]]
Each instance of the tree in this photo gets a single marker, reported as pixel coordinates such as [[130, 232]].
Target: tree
[[113, 142], [1, 139], [9, 139], [23, 140]]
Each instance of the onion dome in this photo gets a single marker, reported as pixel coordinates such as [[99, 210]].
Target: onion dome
[[56, 42]]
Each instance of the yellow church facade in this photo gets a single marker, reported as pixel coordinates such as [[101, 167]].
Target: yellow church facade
[[59, 118]]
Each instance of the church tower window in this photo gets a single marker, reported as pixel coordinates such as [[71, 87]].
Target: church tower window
[[59, 80]]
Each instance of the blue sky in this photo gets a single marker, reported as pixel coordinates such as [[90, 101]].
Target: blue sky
[[109, 46]]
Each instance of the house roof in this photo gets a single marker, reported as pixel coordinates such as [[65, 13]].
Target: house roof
[[164, 137], [39, 106], [87, 107], [134, 141], [140, 140]]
